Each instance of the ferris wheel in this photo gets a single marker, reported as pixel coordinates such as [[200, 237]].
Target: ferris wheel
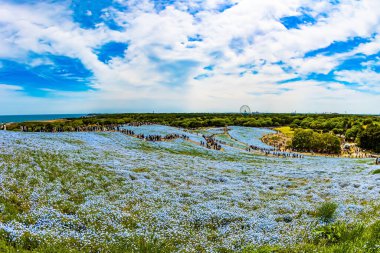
[[245, 110]]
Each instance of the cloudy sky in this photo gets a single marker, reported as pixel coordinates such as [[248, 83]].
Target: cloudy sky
[[81, 56]]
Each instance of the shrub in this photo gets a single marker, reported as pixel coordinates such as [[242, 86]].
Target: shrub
[[326, 211], [339, 233], [308, 140]]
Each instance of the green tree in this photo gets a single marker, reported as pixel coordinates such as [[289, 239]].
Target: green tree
[[352, 133], [308, 140], [369, 138], [302, 139]]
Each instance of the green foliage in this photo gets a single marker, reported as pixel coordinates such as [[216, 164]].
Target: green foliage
[[326, 211], [302, 139], [355, 237], [332, 238], [339, 232], [140, 170], [352, 133], [137, 244], [308, 140], [260, 249], [370, 138]]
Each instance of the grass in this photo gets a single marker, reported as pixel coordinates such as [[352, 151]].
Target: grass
[[140, 170], [332, 238], [326, 211], [74, 142], [376, 172], [136, 244]]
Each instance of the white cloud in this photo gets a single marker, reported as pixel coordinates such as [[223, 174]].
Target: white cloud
[[44, 28], [366, 80], [5, 87]]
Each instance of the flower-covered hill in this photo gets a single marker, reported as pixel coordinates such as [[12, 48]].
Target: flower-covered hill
[[110, 192]]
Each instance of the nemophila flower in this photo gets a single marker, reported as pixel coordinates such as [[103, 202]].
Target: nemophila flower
[[250, 135], [101, 188]]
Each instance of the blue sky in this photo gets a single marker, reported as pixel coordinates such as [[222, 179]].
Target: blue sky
[[59, 56]]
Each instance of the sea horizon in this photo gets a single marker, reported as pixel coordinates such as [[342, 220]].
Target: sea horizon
[[36, 117]]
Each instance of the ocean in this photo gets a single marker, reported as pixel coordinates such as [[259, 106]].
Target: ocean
[[23, 118]]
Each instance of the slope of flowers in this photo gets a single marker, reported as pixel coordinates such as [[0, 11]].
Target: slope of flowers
[[98, 191], [162, 130], [250, 135]]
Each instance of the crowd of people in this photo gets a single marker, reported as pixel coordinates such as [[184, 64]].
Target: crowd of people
[[274, 152], [361, 155], [210, 143], [89, 128], [286, 154], [155, 137], [351, 150], [142, 123], [261, 149], [128, 132], [168, 137]]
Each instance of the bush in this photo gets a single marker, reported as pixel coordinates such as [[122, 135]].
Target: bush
[[308, 140], [302, 140], [326, 211], [339, 233]]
